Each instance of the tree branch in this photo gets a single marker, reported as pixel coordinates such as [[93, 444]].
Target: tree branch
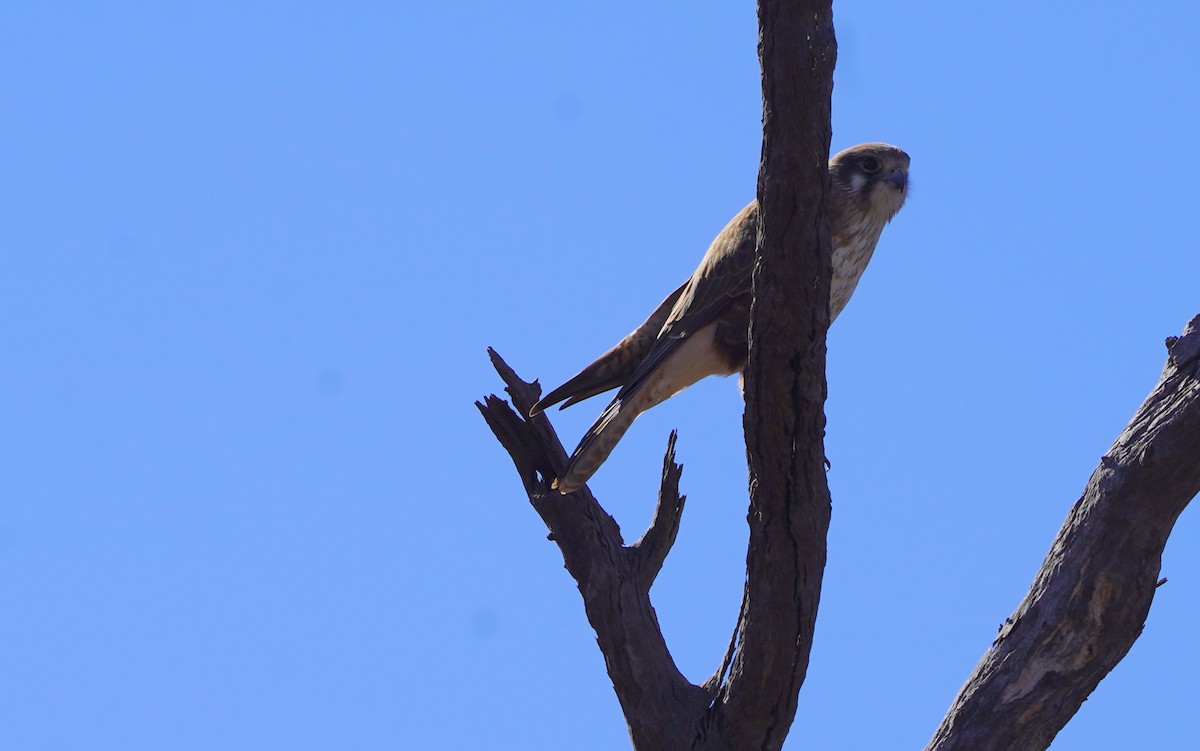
[[660, 705], [651, 550], [1089, 602]]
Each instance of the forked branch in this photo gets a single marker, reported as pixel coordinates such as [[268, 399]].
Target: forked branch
[[660, 705]]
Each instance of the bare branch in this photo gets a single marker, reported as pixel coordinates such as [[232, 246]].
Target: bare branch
[[651, 550], [1089, 602], [662, 708]]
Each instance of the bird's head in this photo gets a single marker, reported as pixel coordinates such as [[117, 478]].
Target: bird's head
[[872, 178]]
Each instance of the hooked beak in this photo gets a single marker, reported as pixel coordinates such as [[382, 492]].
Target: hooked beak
[[898, 180]]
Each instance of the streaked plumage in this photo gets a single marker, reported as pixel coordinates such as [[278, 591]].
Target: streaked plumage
[[700, 329]]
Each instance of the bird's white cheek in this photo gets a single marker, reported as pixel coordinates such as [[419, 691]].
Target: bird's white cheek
[[857, 181]]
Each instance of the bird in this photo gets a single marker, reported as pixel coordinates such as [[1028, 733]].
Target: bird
[[701, 328]]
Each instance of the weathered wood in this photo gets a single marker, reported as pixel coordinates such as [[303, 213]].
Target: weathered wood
[[785, 378], [751, 705], [1089, 602], [661, 707], [651, 550], [1085, 609]]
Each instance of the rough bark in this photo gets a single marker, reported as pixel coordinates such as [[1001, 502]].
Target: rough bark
[[750, 700], [1085, 609], [1089, 601], [785, 385], [660, 705]]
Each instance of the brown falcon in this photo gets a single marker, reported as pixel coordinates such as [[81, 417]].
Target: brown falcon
[[701, 328]]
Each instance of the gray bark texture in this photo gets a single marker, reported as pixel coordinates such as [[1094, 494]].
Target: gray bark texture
[[1089, 601]]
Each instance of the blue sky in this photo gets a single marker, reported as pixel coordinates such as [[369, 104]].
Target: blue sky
[[254, 254]]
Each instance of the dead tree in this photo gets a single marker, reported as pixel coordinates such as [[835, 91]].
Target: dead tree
[[1085, 609]]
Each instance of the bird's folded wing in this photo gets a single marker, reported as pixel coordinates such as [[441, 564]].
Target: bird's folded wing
[[614, 367], [723, 277]]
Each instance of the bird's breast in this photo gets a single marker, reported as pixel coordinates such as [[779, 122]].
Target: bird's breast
[[852, 251]]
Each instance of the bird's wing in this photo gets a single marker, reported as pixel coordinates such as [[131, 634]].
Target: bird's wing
[[612, 368], [722, 277]]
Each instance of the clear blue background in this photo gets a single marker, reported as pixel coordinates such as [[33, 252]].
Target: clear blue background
[[253, 254]]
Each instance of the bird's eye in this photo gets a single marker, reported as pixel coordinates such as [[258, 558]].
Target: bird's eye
[[870, 165]]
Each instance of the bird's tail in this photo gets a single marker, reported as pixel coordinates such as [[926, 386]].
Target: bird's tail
[[598, 443], [614, 367]]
